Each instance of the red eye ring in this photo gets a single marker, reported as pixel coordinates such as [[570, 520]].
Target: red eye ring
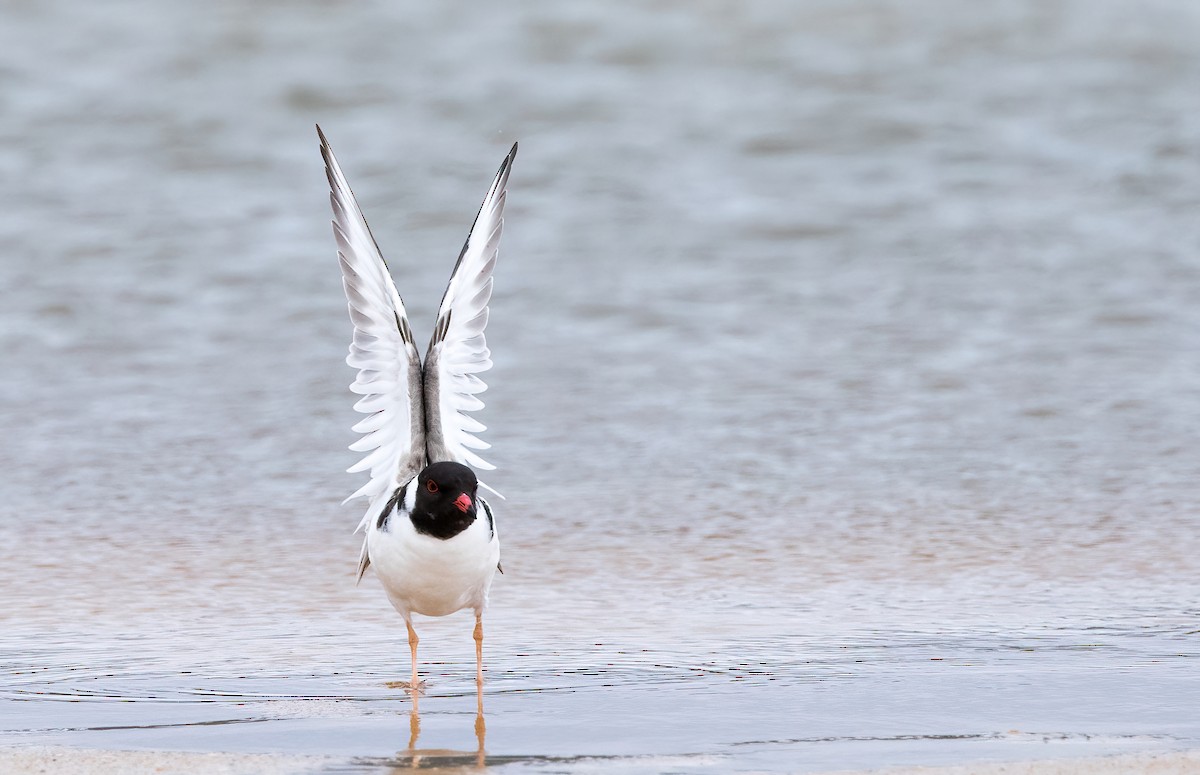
[[431, 485]]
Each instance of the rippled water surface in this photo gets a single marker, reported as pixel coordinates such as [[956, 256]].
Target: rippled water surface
[[846, 399]]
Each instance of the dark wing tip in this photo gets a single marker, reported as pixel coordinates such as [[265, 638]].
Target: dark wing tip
[[506, 167], [326, 155], [440, 329]]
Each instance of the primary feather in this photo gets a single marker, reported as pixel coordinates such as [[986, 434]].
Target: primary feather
[[458, 350], [389, 366]]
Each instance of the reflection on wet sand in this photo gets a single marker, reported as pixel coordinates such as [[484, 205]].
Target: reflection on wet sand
[[414, 757]]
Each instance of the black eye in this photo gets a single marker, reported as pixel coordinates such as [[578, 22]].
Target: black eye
[[431, 485]]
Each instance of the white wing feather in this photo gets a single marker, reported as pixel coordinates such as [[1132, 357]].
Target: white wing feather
[[389, 367], [458, 350]]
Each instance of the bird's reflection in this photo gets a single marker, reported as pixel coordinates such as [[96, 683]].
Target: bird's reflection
[[414, 727], [414, 757]]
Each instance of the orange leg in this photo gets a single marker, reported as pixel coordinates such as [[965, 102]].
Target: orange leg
[[413, 640], [479, 662]]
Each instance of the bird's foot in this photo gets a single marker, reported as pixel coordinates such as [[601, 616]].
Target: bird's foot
[[406, 686]]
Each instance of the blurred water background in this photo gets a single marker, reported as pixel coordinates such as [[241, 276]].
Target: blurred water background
[[846, 398]]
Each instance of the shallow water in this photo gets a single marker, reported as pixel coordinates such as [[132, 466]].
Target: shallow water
[[846, 393]]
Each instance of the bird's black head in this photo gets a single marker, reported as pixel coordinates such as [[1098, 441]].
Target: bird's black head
[[445, 500]]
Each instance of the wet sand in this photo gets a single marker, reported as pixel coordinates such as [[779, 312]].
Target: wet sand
[[1178, 763], [27, 760]]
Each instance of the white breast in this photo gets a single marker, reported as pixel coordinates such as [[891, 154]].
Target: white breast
[[434, 576]]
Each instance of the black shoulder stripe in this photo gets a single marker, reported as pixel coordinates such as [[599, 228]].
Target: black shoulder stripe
[[491, 523], [397, 498]]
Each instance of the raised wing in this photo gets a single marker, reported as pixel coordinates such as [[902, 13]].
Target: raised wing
[[389, 366], [458, 350]]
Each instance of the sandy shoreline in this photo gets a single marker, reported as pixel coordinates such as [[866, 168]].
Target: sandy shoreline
[[1161, 763], [19, 760]]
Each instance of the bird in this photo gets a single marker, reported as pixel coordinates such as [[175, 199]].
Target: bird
[[431, 539]]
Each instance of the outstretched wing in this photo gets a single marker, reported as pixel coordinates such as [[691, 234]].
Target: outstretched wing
[[458, 351], [389, 366]]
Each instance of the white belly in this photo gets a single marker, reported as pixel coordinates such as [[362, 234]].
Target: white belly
[[433, 576]]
